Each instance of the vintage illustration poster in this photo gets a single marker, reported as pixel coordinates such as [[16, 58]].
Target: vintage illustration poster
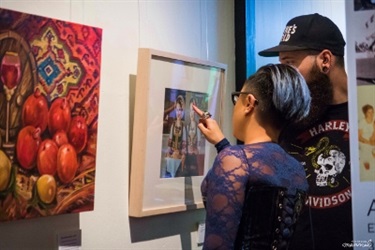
[[360, 19], [365, 76], [49, 96]]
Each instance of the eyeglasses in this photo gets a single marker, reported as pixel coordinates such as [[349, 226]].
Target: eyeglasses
[[236, 95]]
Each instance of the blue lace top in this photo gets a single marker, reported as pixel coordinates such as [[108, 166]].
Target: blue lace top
[[235, 169]]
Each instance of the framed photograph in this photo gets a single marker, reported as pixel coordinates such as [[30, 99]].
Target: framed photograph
[[169, 154]]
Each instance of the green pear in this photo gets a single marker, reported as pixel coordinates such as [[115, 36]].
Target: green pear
[[5, 169]]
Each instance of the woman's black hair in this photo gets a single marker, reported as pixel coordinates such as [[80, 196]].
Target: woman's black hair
[[366, 107], [282, 93]]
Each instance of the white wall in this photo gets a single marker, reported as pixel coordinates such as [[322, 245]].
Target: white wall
[[197, 28]]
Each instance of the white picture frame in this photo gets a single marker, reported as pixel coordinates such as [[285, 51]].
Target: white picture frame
[[161, 78]]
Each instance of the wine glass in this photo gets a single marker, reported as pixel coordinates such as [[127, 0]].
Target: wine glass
[[10, 70]]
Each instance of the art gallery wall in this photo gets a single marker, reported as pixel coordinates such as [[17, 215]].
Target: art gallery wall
[[197, 28], [201, 29]]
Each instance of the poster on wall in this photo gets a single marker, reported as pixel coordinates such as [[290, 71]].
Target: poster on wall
[[361, 71], [169, 154], [49, 96]]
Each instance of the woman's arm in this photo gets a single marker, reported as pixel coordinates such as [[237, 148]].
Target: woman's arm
[[225, 191], [361, 138], [211, 131], [209, 128], [372, 138]]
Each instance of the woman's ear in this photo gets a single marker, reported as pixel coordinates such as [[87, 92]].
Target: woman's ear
[[250, 103]]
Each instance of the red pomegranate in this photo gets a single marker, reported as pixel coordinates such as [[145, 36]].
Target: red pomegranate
[[77, 133], [28, 141], [35, 111], [47, 157], [59, 115], [60, 137], [67, 163], [91, 143]]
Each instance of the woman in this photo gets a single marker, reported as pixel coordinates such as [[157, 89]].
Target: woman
[[177, 135], [248, 182], [175, 156], [190, 166], [192, 130], [366, 130], [366, 136]]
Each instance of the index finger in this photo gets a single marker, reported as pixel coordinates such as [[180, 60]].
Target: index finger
[[197, 111]]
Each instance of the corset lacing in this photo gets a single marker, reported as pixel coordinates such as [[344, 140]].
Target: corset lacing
[[269, 218]]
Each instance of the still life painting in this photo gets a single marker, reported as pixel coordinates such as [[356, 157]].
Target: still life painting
[[49, 97]]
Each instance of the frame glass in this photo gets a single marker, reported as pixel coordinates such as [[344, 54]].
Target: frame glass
[[169, 155]]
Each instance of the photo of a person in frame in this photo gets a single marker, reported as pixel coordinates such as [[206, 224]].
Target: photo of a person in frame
[[177, 135], [192, 129], [366, 137], [183, 145], [194, 142], [174, 148], [360, 5]]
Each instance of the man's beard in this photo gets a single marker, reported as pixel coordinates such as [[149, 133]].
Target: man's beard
[[321, 92]]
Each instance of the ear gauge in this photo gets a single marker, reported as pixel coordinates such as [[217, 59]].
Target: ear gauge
[[325, 69]]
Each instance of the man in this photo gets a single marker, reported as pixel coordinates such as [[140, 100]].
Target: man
[[314, 44]]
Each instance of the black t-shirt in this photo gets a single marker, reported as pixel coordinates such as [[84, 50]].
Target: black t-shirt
[[323, 150]]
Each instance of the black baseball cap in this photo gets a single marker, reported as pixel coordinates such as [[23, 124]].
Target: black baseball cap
[[309, 32]]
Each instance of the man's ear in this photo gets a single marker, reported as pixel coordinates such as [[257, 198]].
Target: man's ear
[[325, 61]]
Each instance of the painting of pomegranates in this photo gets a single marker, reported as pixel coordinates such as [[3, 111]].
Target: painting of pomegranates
[[49, 96]]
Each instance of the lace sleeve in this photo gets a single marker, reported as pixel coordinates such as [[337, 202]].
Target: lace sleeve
[[225, 186]]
